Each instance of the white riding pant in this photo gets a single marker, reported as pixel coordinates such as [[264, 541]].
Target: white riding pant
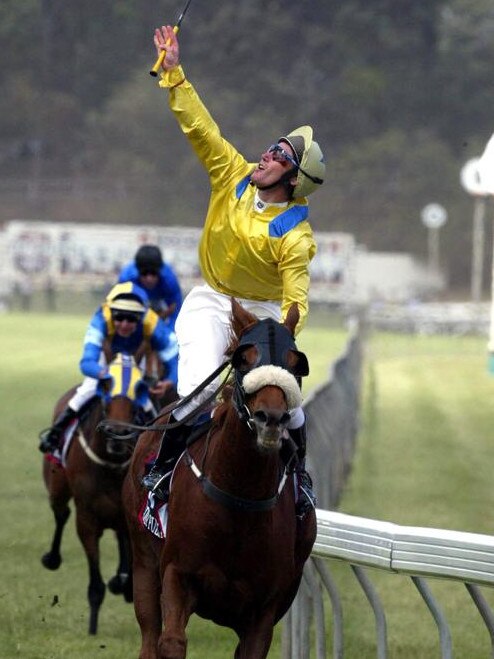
[[204, 333]]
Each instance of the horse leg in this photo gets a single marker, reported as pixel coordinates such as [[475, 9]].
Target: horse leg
[[255, 639], [89, 534], [146, 582], [52, 559], [59, 496], [177, 604], [121, 582]]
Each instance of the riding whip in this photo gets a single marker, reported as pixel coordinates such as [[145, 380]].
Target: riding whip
[[176, 28]]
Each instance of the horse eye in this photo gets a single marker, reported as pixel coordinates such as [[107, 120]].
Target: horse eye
[[248, 359]]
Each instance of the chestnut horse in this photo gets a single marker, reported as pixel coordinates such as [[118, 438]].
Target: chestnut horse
[[234, 549], [92, 472]]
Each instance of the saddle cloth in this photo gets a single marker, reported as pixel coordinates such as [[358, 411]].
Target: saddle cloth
[[153, 515]]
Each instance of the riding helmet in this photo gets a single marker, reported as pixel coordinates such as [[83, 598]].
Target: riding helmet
[[127, 297], [309, 157], [148, 257]]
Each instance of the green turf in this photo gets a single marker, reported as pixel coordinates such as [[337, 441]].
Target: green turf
[[44, 615], [424, 457]]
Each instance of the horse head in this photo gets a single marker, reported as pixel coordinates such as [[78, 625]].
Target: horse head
[[266, 366], [124, 392]]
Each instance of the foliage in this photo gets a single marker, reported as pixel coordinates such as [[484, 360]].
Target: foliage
[[398, 88]]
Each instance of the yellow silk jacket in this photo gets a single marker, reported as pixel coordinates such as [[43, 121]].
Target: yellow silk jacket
[[243, 253]]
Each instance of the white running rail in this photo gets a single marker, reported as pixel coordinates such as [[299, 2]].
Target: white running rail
[[413, 551]]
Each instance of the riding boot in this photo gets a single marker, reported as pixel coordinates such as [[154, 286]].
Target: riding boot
[[171, 448], [306, 499], [50, 438]]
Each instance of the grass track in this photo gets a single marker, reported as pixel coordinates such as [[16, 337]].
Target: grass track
[[424, 457], [44, 615]]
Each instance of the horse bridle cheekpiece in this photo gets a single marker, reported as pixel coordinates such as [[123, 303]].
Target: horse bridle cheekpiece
[[274, 344]]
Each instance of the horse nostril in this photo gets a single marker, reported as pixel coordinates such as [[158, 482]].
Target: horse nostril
[[285, 418], [271, 419], [260, 416]]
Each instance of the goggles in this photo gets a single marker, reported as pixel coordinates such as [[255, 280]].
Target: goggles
[[279, 154], [120, 316], [148, 271]]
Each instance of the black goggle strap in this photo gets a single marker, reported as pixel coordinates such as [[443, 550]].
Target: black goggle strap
[[314, 179]]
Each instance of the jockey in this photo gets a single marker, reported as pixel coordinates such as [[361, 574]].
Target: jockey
[[256, 246], [159, 280], [122, 323]]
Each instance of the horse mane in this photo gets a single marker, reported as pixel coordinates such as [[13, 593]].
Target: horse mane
[[241, 320]]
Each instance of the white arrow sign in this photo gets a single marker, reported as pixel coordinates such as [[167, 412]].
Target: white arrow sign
[[486, 167], [470, 178]]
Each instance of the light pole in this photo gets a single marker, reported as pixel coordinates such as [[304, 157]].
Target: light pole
[[434, 216], [470, 179], [485, 169]]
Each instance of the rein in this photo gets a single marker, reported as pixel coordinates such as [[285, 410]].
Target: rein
[[180, 403]]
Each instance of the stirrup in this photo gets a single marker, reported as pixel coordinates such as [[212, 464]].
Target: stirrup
[[306, 498], [156, 483]]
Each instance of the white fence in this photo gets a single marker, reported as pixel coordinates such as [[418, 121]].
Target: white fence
[[78, 256], [333, 419], [412, 551], [427, 318]]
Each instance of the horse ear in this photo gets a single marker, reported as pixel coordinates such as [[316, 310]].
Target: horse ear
[[292, 318], [241, 318]]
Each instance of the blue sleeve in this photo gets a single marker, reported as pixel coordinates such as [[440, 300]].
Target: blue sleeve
[[128, 273], [93, 345], [170, 284], [164, 341]]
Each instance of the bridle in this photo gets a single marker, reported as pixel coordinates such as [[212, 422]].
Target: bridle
[[106, 428], [271, 348]]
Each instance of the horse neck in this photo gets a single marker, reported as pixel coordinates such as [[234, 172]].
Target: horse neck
[[237, 466]]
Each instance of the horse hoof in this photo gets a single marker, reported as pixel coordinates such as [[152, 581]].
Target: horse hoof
[[115, 585], [128, 594], [51, 561]]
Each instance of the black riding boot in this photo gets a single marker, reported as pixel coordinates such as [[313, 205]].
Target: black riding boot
[[306, 498], [171, 447], [50, 438]]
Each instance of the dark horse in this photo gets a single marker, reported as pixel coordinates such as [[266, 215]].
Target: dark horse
[[92, 472], [234, 549]]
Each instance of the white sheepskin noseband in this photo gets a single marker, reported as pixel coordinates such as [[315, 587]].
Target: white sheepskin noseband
[[263, 376]]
